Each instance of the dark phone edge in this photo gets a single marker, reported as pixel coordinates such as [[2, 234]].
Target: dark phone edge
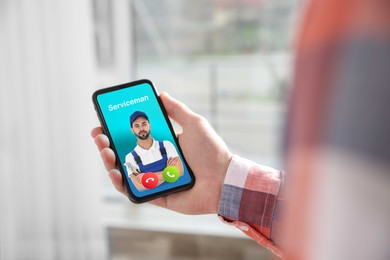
[[132, 197]]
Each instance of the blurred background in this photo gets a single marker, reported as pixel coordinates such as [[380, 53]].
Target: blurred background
[[228, 60]]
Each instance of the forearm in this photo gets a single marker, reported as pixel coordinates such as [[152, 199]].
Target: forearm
[[137, 180], [137, 183], [160, 177]]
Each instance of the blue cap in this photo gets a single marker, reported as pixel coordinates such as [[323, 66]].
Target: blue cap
[[135, 115]]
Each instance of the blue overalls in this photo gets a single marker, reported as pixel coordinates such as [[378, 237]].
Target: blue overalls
[[156, 166]]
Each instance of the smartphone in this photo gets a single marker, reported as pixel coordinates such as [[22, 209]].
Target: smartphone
[[147, 151]]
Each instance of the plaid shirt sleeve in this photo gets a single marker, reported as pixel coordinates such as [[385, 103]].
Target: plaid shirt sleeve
[[251, 199]]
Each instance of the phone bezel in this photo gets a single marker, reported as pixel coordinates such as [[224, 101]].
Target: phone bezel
[[131, 195]]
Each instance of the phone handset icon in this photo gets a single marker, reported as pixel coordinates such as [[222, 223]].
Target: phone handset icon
[[171, 174], [149, 179]]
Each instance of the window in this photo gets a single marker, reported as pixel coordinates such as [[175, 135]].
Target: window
[[227, 60]]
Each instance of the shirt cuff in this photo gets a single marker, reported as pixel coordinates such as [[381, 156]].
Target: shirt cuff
[[249, 198], [244, 176]]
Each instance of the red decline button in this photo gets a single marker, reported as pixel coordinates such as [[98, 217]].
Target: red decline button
[[149, 180]]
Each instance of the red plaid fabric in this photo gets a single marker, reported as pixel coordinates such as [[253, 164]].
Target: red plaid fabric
[[339, 99], [250, 200]]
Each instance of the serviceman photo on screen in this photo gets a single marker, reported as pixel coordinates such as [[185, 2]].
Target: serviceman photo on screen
[[151, 162]]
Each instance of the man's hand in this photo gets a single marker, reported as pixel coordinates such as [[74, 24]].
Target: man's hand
[[172, 161], [205, 152], [175, 161]]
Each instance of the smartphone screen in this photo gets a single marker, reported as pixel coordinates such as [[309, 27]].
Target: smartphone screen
[[142, 138]]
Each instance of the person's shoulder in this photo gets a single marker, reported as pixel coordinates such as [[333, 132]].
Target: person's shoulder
[[167, 143], [170, 148], [130, 156]]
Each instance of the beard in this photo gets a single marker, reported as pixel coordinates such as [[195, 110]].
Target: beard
[[143, 135]]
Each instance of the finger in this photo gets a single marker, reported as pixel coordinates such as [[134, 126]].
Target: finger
[[108, 157], [169, 161], [101, 141], [116, 179], [96, 131], [176, 110], [173, 161]]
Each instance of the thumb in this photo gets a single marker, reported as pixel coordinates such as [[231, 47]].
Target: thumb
[[176, 110]]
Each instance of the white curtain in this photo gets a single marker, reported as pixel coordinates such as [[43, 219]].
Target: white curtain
[[50, 182]]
